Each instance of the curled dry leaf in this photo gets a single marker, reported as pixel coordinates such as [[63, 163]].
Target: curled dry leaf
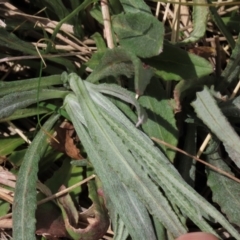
[[65, 140], [91, 224]]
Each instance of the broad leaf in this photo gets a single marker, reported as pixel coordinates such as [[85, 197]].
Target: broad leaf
[[161, 122], [139, 33], [117, 62], [177, 64], [132, 6]]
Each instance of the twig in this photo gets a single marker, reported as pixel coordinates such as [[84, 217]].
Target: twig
[[19, 132], [197, 159], [57, 194], [107, 23]]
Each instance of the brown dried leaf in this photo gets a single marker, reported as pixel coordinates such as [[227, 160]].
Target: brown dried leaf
[[65, 142], [50, 222], [89, 225]]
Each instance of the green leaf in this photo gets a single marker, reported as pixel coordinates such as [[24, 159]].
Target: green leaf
[[232, 21], [10, 40], [24, 204], [16, 157], [125, 202], [69, 176], [57, 7], [139, 33], [24, 113], [101, 48], [220, 24], [207, 110], [118, 92], [200, 17], [108, 144], [132, 6], [177, 64], [14, 101], [161, 122], [114, 141], [4, 207], [186, 165], [115, 6], [8, 144], [232, 70], [223, 186], [29, 84], [117, 62]]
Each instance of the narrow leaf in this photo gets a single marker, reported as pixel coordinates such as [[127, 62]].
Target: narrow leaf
[[24, 204], [108, 144], [208, 111], [29, 84], [119, 92], [24, 113], [14, 101], [200, 17], [124, 202], [223, 186], [154, 164], [232, 70], [220, 24], [8, 144]]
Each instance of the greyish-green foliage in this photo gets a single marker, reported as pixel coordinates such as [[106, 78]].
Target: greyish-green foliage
[[117, 101]]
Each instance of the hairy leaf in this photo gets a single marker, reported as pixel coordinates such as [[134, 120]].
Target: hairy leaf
[[117, 62], [118, 92], [139, 33], [29, 84], [18, 100], [223, 186], [132, 6], [24, 204], [128, 209], [151, 163], [208, 111]]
